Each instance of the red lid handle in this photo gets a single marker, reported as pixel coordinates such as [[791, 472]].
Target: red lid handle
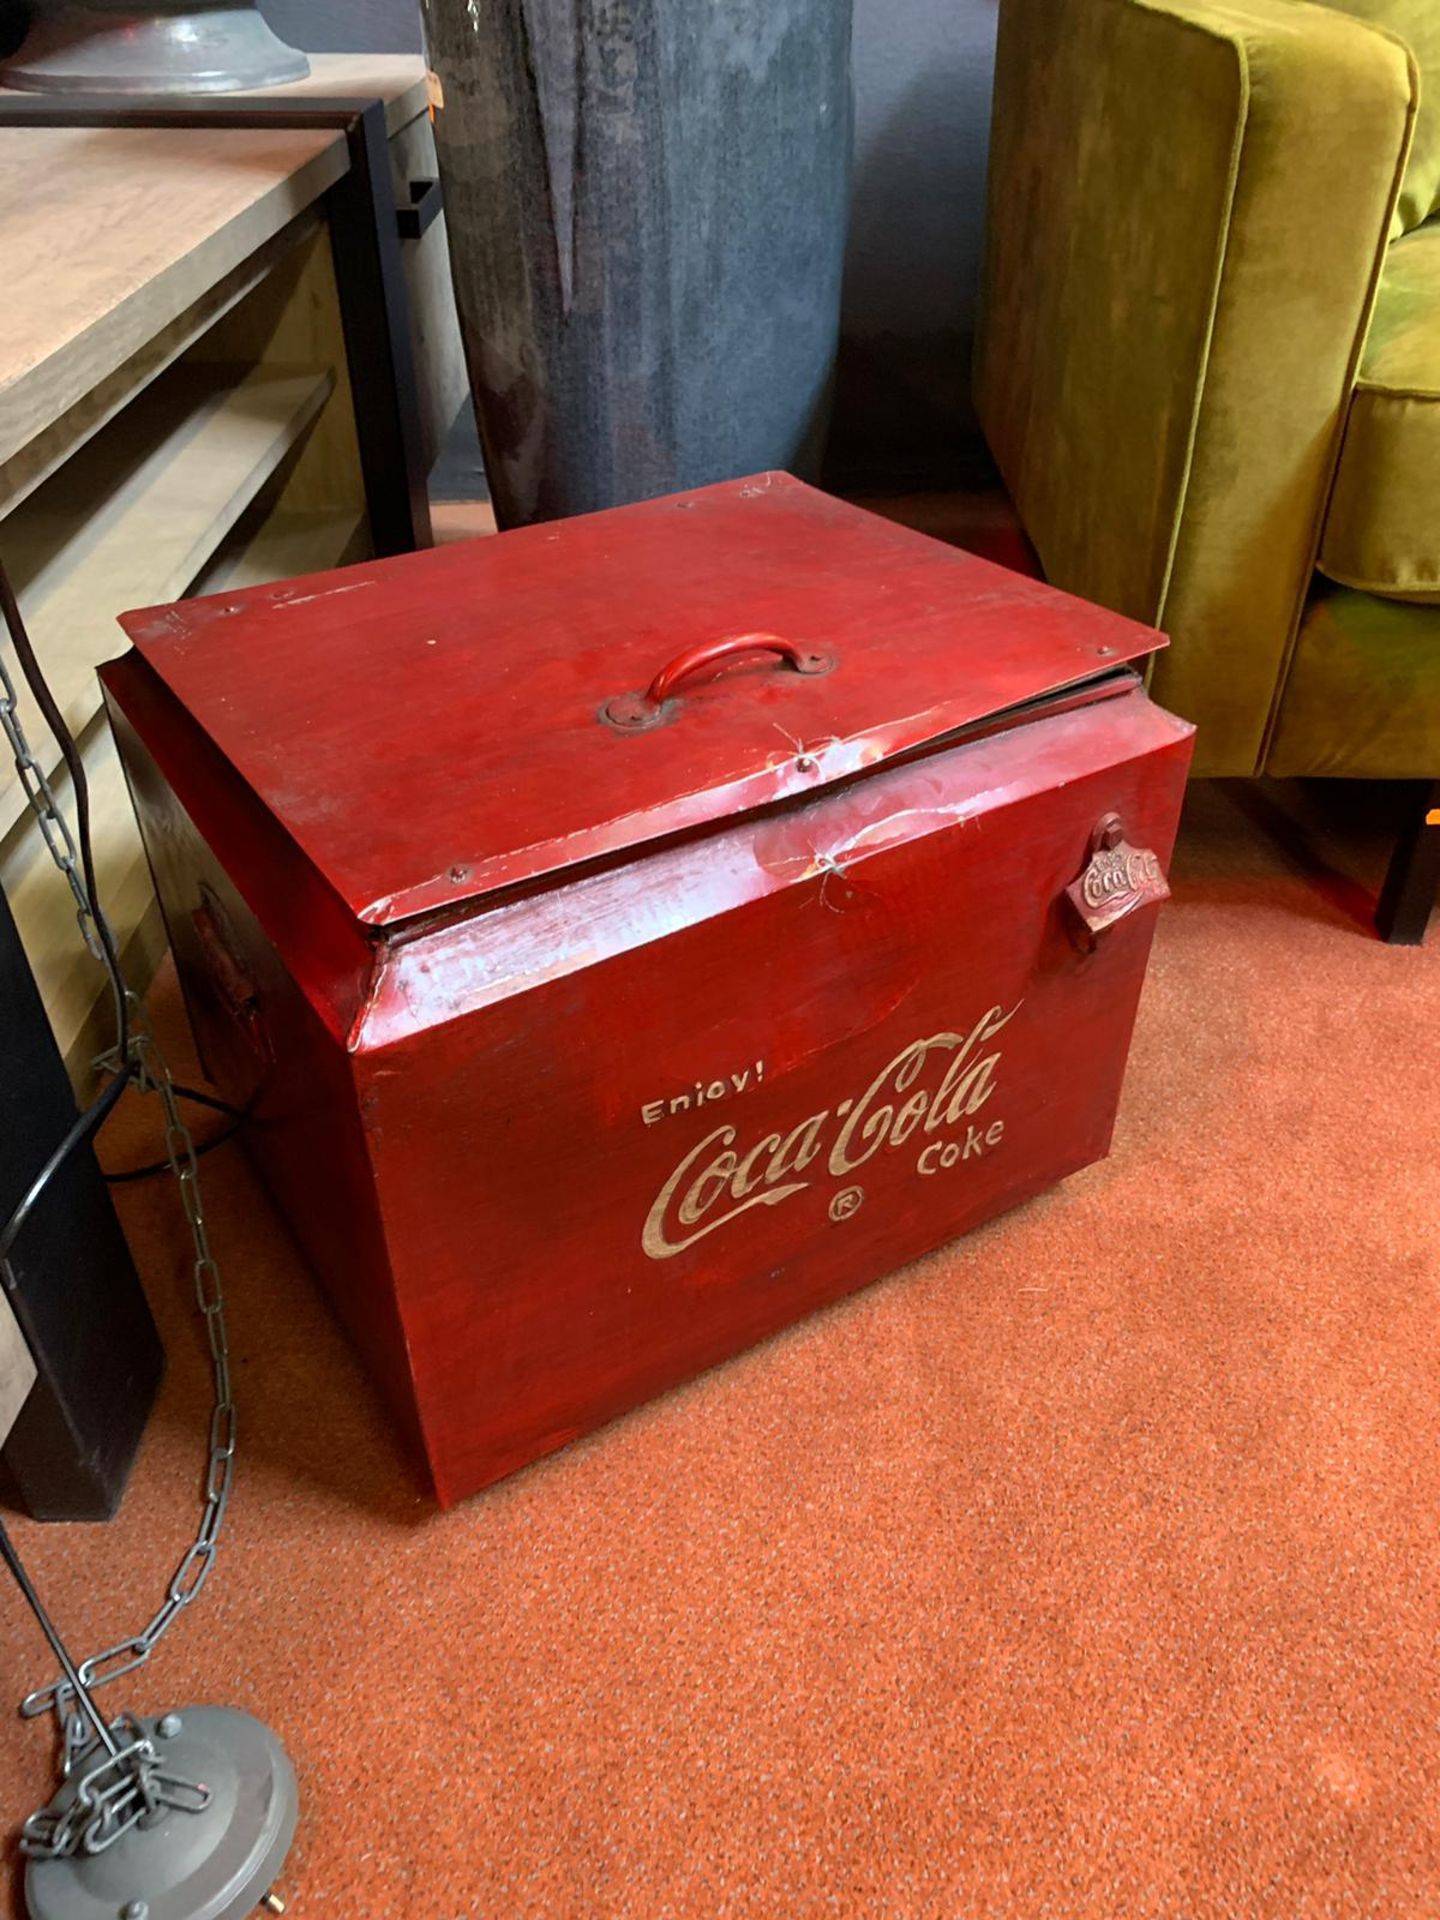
[[635, 711]]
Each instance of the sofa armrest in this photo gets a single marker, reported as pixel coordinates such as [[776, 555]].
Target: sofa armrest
[[1188, 208]]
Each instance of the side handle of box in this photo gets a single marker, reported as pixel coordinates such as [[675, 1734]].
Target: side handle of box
[[228, 974]]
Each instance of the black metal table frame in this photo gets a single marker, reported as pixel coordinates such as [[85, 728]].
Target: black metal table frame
[[369, 275], [374, 311]]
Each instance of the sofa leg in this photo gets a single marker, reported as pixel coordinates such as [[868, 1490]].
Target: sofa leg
[[1411, 884]]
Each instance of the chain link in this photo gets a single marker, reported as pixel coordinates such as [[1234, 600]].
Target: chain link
[[40, 796], [115, 1794], [145, 1062], [195, 1564]]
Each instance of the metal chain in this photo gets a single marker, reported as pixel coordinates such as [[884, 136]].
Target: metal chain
[[117, 1793], [193, 1571], [145, 1062], [41, 798]]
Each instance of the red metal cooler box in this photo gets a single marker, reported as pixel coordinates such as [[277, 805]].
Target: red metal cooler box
[[633, 932]]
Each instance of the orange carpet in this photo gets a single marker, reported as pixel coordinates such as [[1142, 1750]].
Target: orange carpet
[[1089, 1567]]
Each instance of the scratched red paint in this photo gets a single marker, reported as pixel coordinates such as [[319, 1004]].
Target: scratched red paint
[[584, 1054]]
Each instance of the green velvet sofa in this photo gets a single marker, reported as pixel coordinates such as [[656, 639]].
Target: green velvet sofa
[[1208, 366]]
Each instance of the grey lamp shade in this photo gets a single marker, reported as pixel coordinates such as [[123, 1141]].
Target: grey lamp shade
[[102, 47]]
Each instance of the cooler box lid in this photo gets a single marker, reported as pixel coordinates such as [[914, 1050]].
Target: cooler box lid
[[431, 728]]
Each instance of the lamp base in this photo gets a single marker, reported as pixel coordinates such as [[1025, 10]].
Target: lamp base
[[216, 1864], [79, 49]]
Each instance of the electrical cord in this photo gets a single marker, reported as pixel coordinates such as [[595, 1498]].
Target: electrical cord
[[70, 753], [47, 1626], [87, 1122], [153, 1168], [209, 1100], [84, 1125], [120, 1781]]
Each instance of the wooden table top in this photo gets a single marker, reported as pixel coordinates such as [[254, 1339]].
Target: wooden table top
[[109, 234]]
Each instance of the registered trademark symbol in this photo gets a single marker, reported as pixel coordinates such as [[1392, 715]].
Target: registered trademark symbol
[[847, 1202]]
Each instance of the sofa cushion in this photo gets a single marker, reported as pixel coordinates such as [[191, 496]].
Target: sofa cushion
[[1382, 530], [1417, 23], [1362, 701]]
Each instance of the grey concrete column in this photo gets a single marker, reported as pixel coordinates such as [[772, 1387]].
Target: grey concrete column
[[646, 202]]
